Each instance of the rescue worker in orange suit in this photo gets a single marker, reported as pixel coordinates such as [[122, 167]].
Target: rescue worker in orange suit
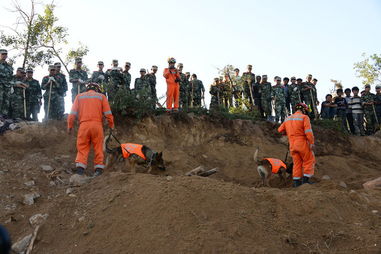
[[297, 127], [90, 107], [172, 77]]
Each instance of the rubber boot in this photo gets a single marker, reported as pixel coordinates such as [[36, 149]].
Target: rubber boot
[[80, 171], [305, 179], [98, 172], [296, 183]]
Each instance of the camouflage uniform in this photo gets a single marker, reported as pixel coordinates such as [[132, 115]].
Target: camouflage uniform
[[214, 101], [142, 88], [237, 90], [248, 81], [197, 90], [55, 109], [99, 78], [184, 91], [17, 99], [294, 94], [370, 117], [6, 84], [61, 79], [35, 96], [310, 98], [151, 80], [227, 94], [74, 77], [127, 80], [115, 80], [279, 96], [266, 99]]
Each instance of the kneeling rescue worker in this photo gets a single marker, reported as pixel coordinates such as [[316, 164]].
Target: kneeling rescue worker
[[301, 138], [90, 107]]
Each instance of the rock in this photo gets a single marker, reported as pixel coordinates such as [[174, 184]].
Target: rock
[[79, 179], [342, 184], [169, 178], [46, 168], [38, 219], [374, 184], [72, 195], [326, 177], [375, 211], [205, 156], [21, 245], [81, 219], [29, 198], [52, 183], [69, 191], [29, 183]]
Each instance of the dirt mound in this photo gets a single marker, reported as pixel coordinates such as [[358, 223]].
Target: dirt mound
[[171, 213]]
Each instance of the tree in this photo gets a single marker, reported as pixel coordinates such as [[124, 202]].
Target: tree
[[38, 38], [369, 69]]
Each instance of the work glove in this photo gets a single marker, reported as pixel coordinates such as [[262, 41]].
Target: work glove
[[295, 89], [81, 81], [101, 77], [52, 79]]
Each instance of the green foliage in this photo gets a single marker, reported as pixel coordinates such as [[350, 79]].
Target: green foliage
[[369, 69], [329, 124], [38, 38]]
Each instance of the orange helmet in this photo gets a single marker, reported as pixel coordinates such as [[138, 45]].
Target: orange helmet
[[303, 107]]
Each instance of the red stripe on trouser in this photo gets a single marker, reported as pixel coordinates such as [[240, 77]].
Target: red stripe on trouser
[[173, 93], [90, 133], [303, 158]]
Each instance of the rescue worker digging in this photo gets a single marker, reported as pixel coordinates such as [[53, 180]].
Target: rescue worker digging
[[90, 107], [298, 129]]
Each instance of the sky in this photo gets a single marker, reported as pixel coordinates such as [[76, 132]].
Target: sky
[[278, 37]]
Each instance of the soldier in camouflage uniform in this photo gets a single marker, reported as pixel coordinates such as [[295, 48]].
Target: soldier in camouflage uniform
[[142, 87], [6, 83], [248, 81], [19, 96], [151, 79], [78, 78], [279, 97], [309, 96], [184, 87], [215, 93], [294, 92], [237, 89], [99, 77], [188, 76], [61, 79], [53, 88], [34, 94], [197, 91], [228, 92], [127, 75], [266, 97], [367, 101], [115, 80]]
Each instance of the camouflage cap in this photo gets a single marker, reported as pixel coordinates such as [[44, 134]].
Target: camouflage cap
[[249, 66], [58, 64], [299, 79], [216, 79], [78, 60], [264, 76], [29, 70], [314, 79], [115, 61], [21, 69], [154, 67], [286, 78], [293, 78], [127, 63], [309, 76], [278, 78], [187, 73], [3, 51], [100, 63], [367, 86], [378, 86], [52, 67], [143, 70], [180, 65]]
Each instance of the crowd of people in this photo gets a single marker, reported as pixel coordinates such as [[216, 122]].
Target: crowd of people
[[21, 95]]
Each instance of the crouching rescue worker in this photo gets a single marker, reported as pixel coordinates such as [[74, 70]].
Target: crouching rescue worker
[[90, 107], [172, 77], [297, 127]]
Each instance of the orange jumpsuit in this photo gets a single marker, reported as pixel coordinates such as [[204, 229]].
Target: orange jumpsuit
[[90, 107], [300, 136], [173, 88]]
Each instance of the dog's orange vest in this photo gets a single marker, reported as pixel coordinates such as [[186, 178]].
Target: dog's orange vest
[[276, 164], [129, 148]]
